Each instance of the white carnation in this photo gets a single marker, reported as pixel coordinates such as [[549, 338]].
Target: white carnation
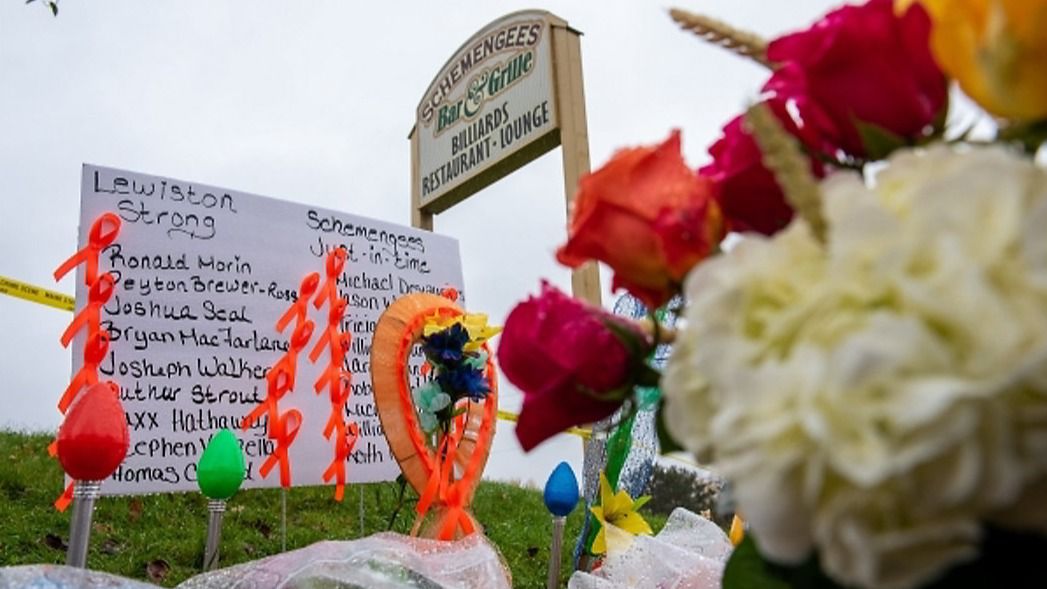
[[877, 398]]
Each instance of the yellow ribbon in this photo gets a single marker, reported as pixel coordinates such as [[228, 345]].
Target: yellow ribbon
[[574, 431]]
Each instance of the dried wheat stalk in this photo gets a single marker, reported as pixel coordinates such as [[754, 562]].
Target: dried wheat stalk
[[723, 35], [783, 156]]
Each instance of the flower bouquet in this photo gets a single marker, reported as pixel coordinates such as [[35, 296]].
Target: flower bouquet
[[864, 360]]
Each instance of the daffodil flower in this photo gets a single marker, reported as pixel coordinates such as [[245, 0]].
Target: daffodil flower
[[475, 325], [618, 518]]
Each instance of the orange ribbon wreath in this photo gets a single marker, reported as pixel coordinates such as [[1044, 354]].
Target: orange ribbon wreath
[[431, 472]]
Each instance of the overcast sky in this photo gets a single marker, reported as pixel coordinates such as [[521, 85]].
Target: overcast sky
[[312, 102]]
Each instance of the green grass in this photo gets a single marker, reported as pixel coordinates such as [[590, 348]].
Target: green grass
[[130, 532]]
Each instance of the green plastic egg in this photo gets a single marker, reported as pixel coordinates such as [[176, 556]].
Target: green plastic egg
[[221, 468]]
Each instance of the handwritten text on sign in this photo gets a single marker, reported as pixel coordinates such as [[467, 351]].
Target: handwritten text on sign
[[203, 274]]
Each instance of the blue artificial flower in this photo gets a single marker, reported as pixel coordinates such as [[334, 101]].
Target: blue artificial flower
[[463, 381], [445, 346]]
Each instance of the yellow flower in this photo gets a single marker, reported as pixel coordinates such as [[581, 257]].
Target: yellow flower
[[996, 50], [475, 325], [617, 514]]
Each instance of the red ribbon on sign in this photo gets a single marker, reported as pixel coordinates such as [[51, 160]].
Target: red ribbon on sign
[[100, 293], [94, 352], [329, 291], [283, 430], [103, 232], [298, 310]]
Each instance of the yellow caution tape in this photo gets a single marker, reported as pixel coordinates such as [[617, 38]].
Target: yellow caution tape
[[12, 287], [575, 431]]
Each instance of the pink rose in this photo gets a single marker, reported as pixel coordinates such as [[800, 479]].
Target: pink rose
[[861, 64], [747, 192], [570, 366]]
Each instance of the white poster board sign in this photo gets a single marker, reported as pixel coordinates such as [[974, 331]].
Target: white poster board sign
[[204, 273]]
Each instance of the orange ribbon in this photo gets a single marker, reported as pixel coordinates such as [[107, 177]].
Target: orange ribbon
[[100, 293], [298, 310], [329, 291], [94, 352], [333, 373], [279, 384], [339, 396], [98, 239], [331, 335], [284, 434], [343, 447], [299, 340], [63, 501]]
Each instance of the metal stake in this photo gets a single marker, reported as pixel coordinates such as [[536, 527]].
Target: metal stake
[[216, 509], [283, 519], [361, 511], [555, 553], [84, 495]]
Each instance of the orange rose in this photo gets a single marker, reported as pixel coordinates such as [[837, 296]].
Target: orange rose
[[647, 216]]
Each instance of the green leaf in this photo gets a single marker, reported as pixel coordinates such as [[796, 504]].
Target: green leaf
[[636, 346], [647, 377], [618, 446], [746, 569], [647, 398], [1029, 135], [665, 440], [939, 124], [878, 141], [641, 501]]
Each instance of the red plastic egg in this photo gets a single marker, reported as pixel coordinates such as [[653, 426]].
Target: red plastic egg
[[93, 439]]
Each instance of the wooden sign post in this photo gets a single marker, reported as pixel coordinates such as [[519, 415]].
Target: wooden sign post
[[508, 95]]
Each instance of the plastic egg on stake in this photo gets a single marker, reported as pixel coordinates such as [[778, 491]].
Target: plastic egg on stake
[[93, 439], [221, 469]]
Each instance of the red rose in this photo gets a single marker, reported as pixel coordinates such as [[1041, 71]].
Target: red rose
[[861, 63], [647, 216], [570, 366], [745, 190]]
